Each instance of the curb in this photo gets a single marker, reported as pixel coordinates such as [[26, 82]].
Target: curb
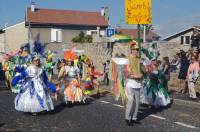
[[186, 102]]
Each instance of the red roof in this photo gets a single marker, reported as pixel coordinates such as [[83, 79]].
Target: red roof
[[65, 17], [134, 33]]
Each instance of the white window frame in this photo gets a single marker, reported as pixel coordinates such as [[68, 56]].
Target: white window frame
[[184, 40], [103, 33], [56, 35]]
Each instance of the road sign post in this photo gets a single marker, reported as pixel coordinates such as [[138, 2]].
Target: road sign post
[[110, 32], [138, 12]]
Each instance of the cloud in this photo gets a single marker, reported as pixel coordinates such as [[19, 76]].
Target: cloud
[[170, 27]]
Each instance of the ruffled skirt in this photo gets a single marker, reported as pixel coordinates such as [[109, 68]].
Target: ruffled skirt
[[30, 99]]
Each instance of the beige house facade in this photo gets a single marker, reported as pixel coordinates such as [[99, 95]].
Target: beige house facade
[[52, 26], [11, 38], [182, 40]]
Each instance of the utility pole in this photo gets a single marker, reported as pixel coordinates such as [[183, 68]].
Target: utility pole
[[139, 44], [144, 33]]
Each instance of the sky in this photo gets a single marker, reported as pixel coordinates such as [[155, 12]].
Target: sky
[[169, 16]]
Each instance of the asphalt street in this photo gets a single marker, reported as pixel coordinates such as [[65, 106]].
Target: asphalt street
[[102, 114]]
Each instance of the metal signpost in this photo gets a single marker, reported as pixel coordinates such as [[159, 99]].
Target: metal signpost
[[138, 12]]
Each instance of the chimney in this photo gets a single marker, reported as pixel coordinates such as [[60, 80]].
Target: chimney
[[32, 6], [104, 12]]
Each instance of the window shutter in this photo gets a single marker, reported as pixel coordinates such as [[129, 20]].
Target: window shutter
[[187, 39], [182, 39], [59, 35], [53, 35]]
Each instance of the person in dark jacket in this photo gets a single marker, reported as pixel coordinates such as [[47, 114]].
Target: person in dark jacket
[[184, 64], [195, 40]]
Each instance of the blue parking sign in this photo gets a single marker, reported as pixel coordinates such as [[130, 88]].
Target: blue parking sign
[[110, 32]]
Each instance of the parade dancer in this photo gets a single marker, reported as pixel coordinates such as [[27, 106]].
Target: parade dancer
[[133, 86], [156, 88], [9, 73], [48, 67], [34, 94], [93, 75], [72, 90]]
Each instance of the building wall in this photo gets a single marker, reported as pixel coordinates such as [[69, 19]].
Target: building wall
[[1, 45], [2, 42], [177, 41], [44, 34], [15, 36], [41, 34]]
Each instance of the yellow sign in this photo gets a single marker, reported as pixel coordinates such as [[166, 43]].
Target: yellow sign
[[138, 11]]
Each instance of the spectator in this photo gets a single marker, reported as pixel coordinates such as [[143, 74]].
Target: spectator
[[184, 63], [175, 62], [195, 39], [106, 71], [192, 75], [2, 75], [199, 58], [166, 67], [189, 53]]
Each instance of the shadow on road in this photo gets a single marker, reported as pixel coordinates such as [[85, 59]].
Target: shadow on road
[[2, 124], [149, 111], [98, 96], [60, 107]]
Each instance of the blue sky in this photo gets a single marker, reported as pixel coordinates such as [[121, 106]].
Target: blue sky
[[169, 16]]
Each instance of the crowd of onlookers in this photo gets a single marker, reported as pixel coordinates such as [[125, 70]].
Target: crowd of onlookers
[[187, 66]]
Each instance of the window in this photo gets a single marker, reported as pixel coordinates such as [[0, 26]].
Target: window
[[182, 39], [102, 33], [185, 39], [88, 32], [56, 35]]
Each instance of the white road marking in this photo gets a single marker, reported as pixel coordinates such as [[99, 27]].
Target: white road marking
[[155, 116], [159, 117], [118, 105], [185, 125], [105, 102]]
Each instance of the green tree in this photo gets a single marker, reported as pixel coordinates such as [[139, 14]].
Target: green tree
[[81, 38]]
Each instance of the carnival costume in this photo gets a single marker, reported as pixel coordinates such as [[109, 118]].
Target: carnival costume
[[70, 85], [154, 90], [118, 76], [34, 90]]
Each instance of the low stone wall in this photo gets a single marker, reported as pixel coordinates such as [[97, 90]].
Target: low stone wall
[[98, 52], [170, 48]]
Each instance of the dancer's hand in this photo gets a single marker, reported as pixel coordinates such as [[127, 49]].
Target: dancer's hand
[[135, 76], [56, 96]]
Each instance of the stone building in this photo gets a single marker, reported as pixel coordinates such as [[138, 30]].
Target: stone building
[[52, 26], [182, 39]]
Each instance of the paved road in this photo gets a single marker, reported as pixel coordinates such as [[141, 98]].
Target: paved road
[[100, 115]]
